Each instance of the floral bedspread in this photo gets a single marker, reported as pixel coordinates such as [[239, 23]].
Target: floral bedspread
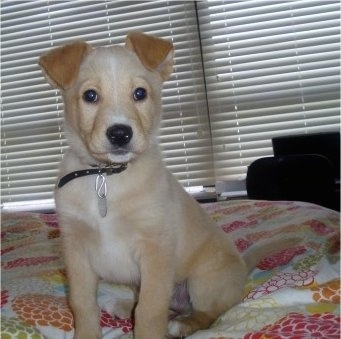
[[292, 294]]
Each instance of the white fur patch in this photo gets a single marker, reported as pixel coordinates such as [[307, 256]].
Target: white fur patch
[[174, 328]]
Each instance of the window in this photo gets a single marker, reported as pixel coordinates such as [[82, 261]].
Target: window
[[245, 71], [272, 68]]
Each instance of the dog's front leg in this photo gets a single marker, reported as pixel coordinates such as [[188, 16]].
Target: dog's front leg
[[83, 291], [157, 276]]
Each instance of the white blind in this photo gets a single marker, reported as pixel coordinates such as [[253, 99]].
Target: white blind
[[267, 68], [272, 68], [33, 141]]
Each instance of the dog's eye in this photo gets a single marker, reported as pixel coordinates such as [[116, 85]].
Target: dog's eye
[[140, 94], [90, 96]]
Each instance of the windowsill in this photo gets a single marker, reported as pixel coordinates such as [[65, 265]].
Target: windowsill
[[43, 206], [234, 194]]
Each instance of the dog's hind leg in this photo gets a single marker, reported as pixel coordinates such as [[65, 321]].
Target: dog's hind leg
[[212, 292]]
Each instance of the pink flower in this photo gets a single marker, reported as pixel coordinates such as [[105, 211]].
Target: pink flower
[[6, 250], [296, 325], [280, 258], [107, 320], [238, 224], [281, 280], [242, 244], [4, 297], [319, 227], [50, 219], [21, 262]]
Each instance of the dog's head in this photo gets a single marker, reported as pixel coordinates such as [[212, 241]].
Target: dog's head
[[112, 95]]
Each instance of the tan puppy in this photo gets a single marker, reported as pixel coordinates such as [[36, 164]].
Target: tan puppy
[[139, 226]]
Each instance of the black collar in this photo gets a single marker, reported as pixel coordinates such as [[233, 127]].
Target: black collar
[[108, 170]]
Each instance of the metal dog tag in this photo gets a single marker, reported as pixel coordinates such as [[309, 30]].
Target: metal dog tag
[[101, 190]]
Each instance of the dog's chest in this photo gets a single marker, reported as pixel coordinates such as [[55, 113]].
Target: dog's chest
[[112, 255]]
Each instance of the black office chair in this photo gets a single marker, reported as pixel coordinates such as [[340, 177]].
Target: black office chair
[[307, 177]]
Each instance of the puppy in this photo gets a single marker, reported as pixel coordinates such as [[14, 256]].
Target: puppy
[[124, 217]]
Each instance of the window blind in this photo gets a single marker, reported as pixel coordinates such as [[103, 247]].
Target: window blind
[[272, 68], [267, 68], [33, 141]]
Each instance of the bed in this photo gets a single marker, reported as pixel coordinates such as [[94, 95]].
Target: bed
[[291, 294]]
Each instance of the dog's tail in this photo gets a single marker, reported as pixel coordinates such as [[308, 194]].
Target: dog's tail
[[260, 251]]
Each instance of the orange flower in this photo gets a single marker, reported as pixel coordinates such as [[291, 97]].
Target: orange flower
[[44, 310], [328, 292]]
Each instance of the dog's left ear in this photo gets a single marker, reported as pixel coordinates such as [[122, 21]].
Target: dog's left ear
[[153, 52]]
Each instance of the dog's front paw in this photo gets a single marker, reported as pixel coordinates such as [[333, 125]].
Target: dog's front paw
[[87, 327], [123, 308]]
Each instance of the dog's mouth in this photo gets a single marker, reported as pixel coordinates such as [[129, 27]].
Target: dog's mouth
[[112, 155], [120, 152], [120, 156]]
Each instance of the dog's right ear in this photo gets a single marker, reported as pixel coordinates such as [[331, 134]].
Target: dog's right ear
[[61, 65]]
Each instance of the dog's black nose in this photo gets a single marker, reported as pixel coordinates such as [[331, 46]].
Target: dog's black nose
[[119, 135]]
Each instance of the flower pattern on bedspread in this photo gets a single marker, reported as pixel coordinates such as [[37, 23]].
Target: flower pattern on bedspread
[[107, 320], [280, 258], [16, 329], [291, 294], [296, 325], [328, 292], [43, 310]]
